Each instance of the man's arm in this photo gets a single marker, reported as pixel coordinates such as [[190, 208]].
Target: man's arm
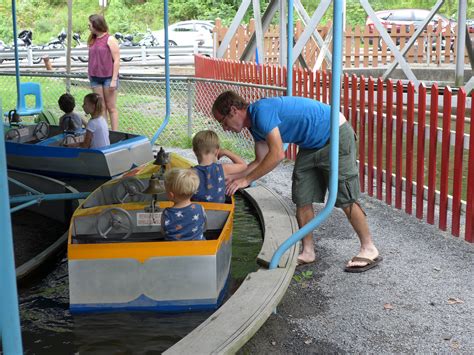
[[274, 156], [238, 164]]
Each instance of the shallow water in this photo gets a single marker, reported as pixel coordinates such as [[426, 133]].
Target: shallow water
[[49, 328]]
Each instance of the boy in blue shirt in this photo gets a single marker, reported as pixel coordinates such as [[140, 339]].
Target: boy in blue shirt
[[212, 175], [185, 220]]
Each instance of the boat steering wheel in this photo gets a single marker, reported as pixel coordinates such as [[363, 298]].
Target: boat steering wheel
[[128, 189], [41, 131], [68, 139], [13, 135], [116, 220]]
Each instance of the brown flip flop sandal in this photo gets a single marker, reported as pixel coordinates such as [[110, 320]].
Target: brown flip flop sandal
[[300, 262], [370, 264]]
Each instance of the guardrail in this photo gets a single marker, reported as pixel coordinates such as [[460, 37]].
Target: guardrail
[[144, 53]]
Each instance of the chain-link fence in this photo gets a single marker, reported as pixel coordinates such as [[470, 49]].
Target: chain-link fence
[[141, 104]]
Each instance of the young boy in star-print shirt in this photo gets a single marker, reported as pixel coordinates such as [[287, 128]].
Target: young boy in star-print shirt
[[185, 220], [212, 174]]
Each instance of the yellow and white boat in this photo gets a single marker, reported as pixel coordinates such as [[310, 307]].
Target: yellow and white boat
[[118, 258]]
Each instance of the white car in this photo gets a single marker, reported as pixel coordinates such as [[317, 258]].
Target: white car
[[187, 33]]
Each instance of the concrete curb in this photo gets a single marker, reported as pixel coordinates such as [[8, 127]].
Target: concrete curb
[[232, 325]]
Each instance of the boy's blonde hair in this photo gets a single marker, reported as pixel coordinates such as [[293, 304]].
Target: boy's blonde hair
[[205, 142], [182, 182]]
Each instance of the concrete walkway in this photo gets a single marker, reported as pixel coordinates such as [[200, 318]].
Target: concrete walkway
[[419, 300]]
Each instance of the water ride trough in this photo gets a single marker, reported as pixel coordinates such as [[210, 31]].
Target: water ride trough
[[118, 258]]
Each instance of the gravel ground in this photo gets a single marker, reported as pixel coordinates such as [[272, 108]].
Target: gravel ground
[[420, 299]]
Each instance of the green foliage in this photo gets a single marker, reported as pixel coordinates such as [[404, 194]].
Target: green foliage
[[303, 276]]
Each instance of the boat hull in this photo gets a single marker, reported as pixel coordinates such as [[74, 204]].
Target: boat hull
[[145, 272], [49, 158]]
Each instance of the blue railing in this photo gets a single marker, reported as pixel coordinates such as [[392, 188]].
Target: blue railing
[[9, 312], [167, 77], [334, 137]]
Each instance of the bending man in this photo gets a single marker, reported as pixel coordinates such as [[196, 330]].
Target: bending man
[[305, 122]]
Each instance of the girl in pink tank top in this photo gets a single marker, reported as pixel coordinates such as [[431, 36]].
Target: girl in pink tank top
[[104, 64]]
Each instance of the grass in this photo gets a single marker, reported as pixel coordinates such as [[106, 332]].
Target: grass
[[141, 106]]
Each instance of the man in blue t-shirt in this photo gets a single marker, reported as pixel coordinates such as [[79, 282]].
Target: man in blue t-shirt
[[305, 122]]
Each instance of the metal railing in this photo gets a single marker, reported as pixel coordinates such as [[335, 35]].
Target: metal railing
[[142, 106], [144, 54]]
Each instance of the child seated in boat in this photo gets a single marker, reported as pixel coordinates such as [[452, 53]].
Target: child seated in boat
[[185, 220], [212, 174], [70, 121], [97, 131]]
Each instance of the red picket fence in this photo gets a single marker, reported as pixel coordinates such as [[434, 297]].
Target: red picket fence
[[432, 172]]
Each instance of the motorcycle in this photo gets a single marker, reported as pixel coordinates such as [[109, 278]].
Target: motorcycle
[[77, 37], [60, 43], [24, 43], [125, 42], [150, 40]]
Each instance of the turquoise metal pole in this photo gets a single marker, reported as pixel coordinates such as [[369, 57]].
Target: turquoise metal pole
[[48, 197], [289, 49], [23, 186], [24, 205], [334, 137], [17, 64], [9, 312], [167, 77]]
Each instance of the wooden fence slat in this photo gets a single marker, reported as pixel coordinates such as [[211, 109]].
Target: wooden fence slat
[[318, 85], [445, 145], [324, 81], [432, 155], [399, 146], [409, 148], [362, 133], [379, 144], [346, 95], [420, 164], [354, 102], [388, 145], [370, 137], [458, 157], [469, 234]]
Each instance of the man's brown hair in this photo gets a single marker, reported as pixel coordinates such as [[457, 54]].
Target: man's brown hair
[[226, 100]]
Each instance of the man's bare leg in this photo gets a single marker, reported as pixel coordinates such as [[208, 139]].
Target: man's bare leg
[[304, 214], [358, 221]]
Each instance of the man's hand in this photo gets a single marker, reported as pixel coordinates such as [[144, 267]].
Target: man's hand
[[236, 184]]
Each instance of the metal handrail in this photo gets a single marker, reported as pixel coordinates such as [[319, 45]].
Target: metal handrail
[[167, 77], [334, 137]]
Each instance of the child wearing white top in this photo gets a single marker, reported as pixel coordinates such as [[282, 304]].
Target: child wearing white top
[[97, 132]]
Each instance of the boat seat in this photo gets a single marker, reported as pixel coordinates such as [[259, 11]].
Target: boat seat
[[30, 89]]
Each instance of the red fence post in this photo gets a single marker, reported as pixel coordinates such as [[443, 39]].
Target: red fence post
[[399, 147], [324, 81], [458, 156], [445, 146], [433, 154], [409, 150], [388, 145], [318, 86], [362, 134], [469, 234], [370, 137], [346, 96], [354, 102], [379, 145], [420, 164]]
